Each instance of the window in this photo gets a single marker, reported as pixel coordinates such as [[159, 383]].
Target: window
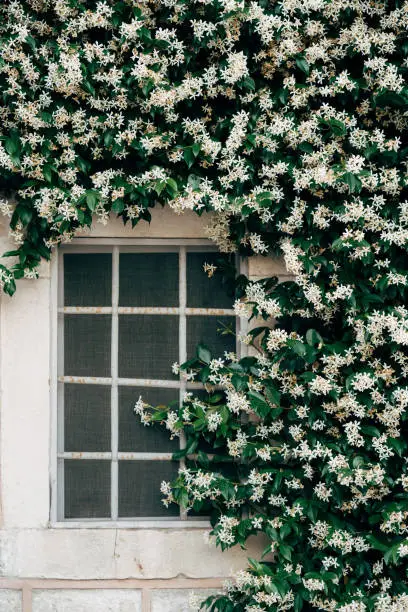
[[125, 314]]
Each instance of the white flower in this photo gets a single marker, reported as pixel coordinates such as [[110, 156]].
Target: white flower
[[237, 402], [214, 419], [313, 584], [355, 163], [175, 368], [403, 549], [323, 492], [236, 68], [320, 386]]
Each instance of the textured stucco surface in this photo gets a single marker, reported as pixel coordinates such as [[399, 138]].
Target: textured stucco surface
[[25, 418], [10, 601], [176, 600], [165, 224], [263, 267], [101, 600]]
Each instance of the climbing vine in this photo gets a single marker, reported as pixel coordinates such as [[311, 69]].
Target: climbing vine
[[287, 119]]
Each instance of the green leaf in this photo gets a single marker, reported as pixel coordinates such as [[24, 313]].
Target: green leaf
[[227, 489], [47, 173], [285, 551], [370, 430], [203, 353], [285, 530], [24, 213], [10, 287], [272, 393], [12, 145], [172, 187], [249, 83], [391, 98], [108, 138], [258, 403], [307, 147], [92, 198], [196, 148], [86, 85], [399, 445], [179, 454], [159, 186], [334, 126], [303, 65], [83, 164], [353, 182], [239, 382], [298, 603], [256, 566], [313, 337], [283, 95], [31, 42], [181, 497], [337, 127], [118, 206], [188, 156], [297, 347], [376, 543]]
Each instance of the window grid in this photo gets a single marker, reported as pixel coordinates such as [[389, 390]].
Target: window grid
[[114, 381]]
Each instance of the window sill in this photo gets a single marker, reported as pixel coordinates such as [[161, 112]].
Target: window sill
[[132, 524]]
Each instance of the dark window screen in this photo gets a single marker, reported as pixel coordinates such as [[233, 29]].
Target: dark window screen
[[202, 291], [87, 418], [139, 488], [87, 489], [208, 330], [88, 279], [148, 345], [133, 435], [87, 346], [148, 279]]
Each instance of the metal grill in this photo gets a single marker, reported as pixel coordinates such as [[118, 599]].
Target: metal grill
[[102, 481]]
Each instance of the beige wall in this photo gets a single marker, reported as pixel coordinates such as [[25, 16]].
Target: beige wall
[[48, 569]]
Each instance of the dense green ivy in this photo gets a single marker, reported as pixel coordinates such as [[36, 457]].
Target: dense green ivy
[[288, 120]]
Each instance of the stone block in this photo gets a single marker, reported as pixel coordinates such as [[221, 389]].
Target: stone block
[[10, 600], [103, 554], [176, 600], [84, 600]]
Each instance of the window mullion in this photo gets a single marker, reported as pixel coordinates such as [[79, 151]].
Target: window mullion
[[60, 394], [241, 323], [114, 388], [182, 340]]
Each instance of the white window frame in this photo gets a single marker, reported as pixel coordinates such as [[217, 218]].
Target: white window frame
[[116, 246]]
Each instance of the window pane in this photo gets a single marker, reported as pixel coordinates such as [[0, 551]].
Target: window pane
[[202, 291], [87, 348], [207, 330], [139, 488], [148, 279], [88, 279], [133, 435], [148, 345], [87, 489], [87, 418]]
